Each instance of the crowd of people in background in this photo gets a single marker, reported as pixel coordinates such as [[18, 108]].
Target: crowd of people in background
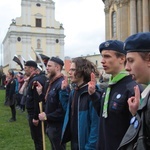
[[106, 114]]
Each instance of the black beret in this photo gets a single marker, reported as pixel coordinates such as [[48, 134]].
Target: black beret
[[115, 45], [31, 63], [57, 60], [139, 42]]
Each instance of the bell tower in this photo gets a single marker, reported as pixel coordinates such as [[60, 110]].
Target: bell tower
[[36, 29]]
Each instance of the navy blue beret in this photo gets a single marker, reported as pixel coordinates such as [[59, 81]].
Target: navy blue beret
[[31, 63], [57, 60], [139, 42], [115, 45]]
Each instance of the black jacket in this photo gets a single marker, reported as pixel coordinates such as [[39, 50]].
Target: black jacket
[[32, 98]]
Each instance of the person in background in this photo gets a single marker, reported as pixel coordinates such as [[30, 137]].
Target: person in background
[[32, 102], [137, 137], [10, 93], [54, 113], [23, 92], [81, 120], [113, 107], [20, 79]]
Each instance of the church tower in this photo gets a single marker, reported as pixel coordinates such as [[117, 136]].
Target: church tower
[[35, 31], [126, 17]]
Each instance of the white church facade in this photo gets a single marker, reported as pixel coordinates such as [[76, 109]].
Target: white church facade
[[35, 31]]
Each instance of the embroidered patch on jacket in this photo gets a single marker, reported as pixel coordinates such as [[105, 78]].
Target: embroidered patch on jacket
[[115, 105]]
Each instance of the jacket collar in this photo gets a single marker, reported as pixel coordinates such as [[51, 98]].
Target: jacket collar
[[145, 101]]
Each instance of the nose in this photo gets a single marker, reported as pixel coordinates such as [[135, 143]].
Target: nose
[[102, 61], [127, 67]]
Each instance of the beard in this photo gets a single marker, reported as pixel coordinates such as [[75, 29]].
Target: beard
[[52, 75]]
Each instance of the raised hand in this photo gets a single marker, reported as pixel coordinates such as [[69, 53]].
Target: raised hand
[[134, 101], [64, 84], [91, 84], [39, 87]]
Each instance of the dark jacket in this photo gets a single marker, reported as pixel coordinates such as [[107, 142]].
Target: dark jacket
[[88, 120], [113, 128], [139, 124], [53, 109], [32, 98], [10, 92]]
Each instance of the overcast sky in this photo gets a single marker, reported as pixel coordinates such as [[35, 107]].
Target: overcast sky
[[83, 21]]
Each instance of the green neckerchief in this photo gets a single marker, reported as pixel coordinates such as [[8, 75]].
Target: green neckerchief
[[144, 93], [112, 81]]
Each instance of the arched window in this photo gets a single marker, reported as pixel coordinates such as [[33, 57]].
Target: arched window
[[114, 24]]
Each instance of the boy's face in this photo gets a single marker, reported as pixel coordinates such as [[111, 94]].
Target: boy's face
[[72, 76], [111, 63], [138, 68]]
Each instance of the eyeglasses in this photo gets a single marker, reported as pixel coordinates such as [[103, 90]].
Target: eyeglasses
[[72, 69]]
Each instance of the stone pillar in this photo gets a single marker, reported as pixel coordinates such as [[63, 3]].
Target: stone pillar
[[48, 16], [23, 12], [133, 24], [139, 14], [107, 25], [145, 16]]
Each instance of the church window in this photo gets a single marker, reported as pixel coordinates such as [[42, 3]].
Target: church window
[[57, 41], [38, 4], [96, 62], [18, 39], [114, 24], [38, 22]]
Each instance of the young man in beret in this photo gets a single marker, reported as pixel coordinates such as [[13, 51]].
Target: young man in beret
[[137, 137], [113, 107], [54, 113], [32, 102]]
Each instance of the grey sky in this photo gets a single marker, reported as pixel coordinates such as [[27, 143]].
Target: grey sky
[[83, 21]]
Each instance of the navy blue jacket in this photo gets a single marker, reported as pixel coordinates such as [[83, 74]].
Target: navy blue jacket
[[53, 109], [113, 128]]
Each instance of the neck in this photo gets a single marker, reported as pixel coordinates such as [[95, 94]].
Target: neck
[[80, 83], [116, 73]]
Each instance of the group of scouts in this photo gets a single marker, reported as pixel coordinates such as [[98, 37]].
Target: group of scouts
[[114, 118]]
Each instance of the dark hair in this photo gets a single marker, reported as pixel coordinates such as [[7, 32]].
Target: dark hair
[[84, 68], [118, 54], [11, 72], [144, 55]]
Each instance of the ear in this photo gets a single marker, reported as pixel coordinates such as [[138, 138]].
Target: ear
[[122, 59]]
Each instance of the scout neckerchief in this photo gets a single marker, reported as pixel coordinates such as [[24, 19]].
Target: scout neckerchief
[[144, 93], [112, 81]]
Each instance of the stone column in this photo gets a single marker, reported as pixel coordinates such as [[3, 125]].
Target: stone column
[[107, 24], [133, 25], [139, 14], [23, 13], [145, 16]]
